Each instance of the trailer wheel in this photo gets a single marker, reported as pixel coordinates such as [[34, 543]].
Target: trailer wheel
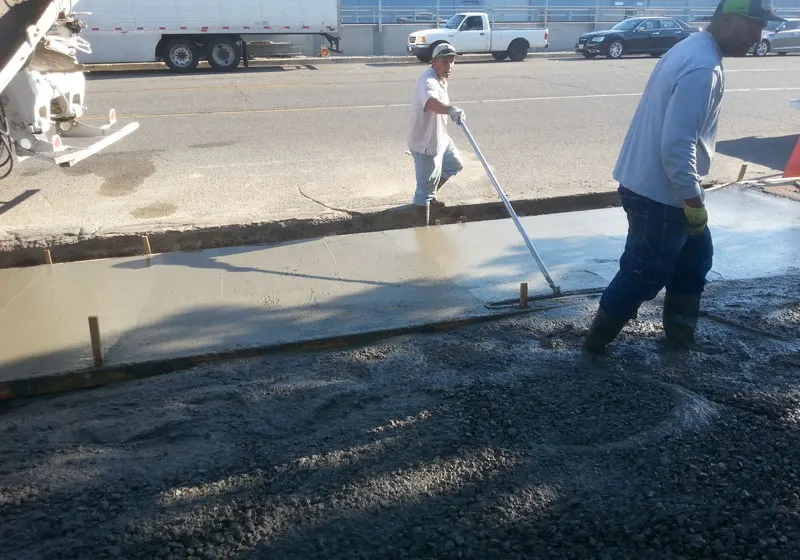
[[518, 50], [182, 55], [224, 53]]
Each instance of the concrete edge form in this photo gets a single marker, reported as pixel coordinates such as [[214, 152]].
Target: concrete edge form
[[109, 375], [128, 245]]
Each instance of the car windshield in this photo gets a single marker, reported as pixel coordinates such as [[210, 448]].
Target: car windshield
[[454, 22], [627, 25]]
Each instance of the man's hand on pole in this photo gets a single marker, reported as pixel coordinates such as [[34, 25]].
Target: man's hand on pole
[[457, 115]]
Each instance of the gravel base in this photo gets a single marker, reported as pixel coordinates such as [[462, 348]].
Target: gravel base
[[495, 441]]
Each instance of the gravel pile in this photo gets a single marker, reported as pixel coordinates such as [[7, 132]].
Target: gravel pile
[[495, 441]]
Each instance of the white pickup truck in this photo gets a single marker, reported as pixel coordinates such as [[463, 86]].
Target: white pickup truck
[[471, 33]]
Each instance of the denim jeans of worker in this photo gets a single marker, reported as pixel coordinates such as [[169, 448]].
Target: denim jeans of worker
[[659, 253], [430, 170]]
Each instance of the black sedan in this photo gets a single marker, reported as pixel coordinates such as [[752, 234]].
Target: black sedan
[[646, 35]]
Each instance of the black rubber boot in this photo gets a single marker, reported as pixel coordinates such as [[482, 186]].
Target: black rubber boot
[[681, 313], [603, 331]]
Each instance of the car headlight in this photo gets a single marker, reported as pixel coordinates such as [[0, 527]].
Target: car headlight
[[598, 39], [422, 40]]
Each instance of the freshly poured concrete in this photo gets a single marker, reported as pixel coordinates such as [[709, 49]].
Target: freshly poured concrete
[[186, 304]]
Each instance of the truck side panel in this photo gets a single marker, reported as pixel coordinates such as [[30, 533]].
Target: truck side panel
[[213, 16], [502, 39]]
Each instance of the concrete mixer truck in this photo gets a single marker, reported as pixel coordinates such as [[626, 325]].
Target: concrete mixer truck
[[43, 88]]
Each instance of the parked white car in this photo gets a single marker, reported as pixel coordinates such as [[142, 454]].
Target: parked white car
[[471, 33]]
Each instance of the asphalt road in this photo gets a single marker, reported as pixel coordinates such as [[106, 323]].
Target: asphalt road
[[301, 141]]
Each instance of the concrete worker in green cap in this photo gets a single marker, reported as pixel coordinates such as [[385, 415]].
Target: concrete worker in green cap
[[436, 158], [667, 150]]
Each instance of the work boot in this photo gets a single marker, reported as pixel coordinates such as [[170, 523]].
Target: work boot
[[681, 313], [603, 331]]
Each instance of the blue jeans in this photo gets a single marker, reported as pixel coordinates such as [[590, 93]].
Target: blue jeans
[[659, 253], [430, 170]]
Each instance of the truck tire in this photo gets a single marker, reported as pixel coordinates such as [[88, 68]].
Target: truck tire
[[224, 53], [518, 50], [500, 56], [431, 49], [182, 55]]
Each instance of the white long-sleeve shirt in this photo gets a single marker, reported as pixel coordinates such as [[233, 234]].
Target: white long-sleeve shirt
[[672, 138]]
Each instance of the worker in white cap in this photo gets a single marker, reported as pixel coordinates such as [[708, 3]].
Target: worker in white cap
[[436, 158]]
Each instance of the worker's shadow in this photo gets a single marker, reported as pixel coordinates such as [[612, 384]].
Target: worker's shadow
[[772, 153]]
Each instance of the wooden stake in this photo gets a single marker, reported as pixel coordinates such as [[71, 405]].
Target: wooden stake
[[742, 173], [146, 243], [97, 349], [523, 295], [48, 258]]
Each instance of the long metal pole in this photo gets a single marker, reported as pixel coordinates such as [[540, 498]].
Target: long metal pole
[[528, 242]]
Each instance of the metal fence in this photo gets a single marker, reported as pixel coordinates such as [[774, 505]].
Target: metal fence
[[533, 14]]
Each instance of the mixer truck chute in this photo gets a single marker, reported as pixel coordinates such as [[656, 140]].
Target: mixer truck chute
[[43, 89]]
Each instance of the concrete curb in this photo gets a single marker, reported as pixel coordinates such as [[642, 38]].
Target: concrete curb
[[315, 61], [110, 375], [196, 239]]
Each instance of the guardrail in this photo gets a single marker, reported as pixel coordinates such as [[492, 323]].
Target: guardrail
[[543, 13]]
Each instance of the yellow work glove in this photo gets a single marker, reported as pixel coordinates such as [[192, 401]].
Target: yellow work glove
[[698, 219]]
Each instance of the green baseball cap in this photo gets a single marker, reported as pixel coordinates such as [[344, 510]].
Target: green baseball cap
[[754, 9]]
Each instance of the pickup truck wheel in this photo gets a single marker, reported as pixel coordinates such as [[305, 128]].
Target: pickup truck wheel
[[223, 54], [518, 50], [182, 55], [500, 56], [616, 49]]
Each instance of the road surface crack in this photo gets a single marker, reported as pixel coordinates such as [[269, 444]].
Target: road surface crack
[[312, 199]]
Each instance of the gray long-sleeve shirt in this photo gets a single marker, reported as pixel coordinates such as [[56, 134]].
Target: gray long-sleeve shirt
[[672, 138]]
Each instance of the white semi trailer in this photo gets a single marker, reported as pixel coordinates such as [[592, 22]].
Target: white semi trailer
[[184, 32]]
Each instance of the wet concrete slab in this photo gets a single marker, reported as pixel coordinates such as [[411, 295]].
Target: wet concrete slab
[[185, 304]]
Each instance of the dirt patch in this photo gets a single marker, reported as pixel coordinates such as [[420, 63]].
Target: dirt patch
[[122, 173], [155, 210], [492, 441]]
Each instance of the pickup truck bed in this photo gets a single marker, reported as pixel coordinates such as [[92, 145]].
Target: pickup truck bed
[[471, 33]]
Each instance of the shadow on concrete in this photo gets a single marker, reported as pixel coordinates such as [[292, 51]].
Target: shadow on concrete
[[413, 62], [296, 229], [485, 443], [772, 152], [356, 303], [602, 58], [288, 66], [8, 205]]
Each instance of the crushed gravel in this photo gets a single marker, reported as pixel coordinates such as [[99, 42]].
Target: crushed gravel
[[494, 441]]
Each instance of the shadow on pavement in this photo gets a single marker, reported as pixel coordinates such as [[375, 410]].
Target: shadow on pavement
[[772, 152], [8, 205], [497, 441], [100, 75]]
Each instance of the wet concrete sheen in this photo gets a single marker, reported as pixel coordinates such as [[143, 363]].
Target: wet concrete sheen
[[185, 304]]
